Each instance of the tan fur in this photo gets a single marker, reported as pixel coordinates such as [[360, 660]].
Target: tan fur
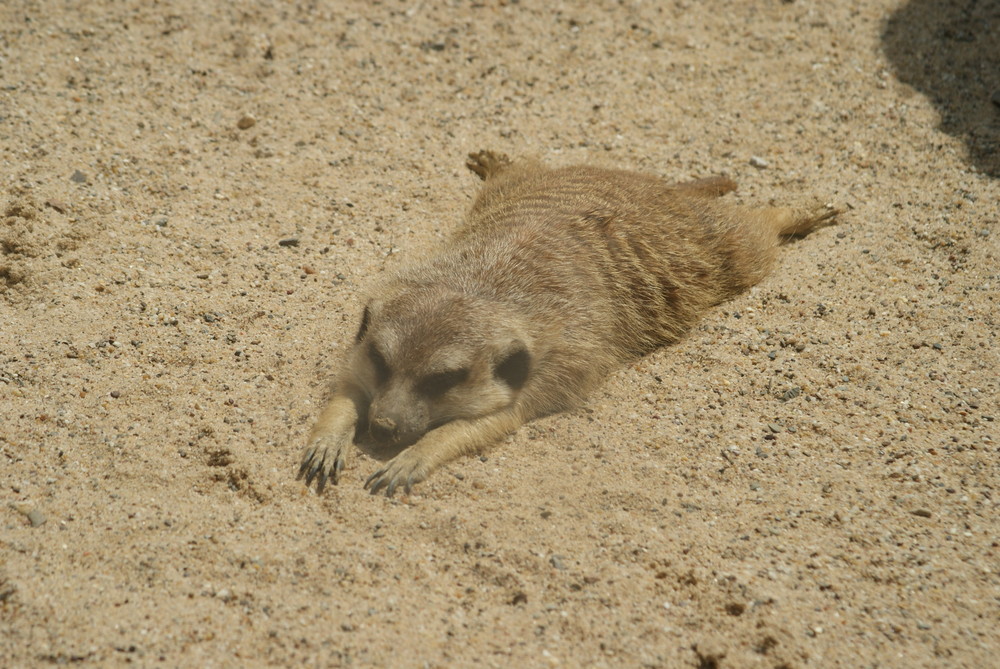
[[558, 277]]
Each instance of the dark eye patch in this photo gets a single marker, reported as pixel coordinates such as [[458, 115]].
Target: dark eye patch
[[435, 385], [382, 371], [515, 368]]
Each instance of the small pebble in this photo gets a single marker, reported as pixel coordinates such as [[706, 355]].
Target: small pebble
[[116, 394], [557, 562], [774, 427], [758, 162], [36, 518], [923, 513], [995, 98], [289, 241], [78, 177], [791, 394], [246, 122], [57, 205]]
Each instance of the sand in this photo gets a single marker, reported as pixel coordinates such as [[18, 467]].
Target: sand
[[194, 196]]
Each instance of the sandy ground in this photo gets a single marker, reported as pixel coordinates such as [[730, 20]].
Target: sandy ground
[[808, 480]]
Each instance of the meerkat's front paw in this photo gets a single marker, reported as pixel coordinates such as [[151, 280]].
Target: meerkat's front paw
[[323, 459], [406, 469]]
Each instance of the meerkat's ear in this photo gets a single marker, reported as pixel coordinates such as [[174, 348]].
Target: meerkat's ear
[[515, 366], [363, 329]]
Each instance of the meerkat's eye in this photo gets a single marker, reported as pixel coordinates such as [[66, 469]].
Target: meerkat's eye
[[382, 371], [514, 368], [435, 385]]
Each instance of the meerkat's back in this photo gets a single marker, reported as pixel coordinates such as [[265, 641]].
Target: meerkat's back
[[662, 252]]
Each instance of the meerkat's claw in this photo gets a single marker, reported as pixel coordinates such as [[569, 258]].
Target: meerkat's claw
[[307, 457], [404, 470], [376, 481], [319, 463], [321, 481]]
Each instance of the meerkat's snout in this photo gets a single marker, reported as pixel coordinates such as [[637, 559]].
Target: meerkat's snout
[[397, 417], [383, 430]]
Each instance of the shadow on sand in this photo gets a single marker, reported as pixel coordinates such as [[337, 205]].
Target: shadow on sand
[[949, 50]]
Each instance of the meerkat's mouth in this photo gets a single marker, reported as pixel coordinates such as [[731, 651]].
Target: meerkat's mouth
[[381, 451]]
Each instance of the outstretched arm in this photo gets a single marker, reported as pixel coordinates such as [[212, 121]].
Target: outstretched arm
[[442, 445]]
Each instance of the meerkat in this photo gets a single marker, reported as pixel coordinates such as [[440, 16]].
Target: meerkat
[[558, 277]]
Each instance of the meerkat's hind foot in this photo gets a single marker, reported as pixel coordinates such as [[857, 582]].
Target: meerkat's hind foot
[[792, 223], [715, 186], [487, 164]]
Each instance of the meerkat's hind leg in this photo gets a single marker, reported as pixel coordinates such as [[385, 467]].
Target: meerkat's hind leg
[[487, 164], [792, 222]]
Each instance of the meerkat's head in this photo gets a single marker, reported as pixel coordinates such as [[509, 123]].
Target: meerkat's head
[[428, 356]]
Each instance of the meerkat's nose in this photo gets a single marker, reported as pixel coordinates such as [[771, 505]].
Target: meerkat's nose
[[383, 430]]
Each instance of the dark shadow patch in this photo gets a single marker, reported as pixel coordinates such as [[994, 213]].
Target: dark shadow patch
[[949, 50], [238, 480], [708, 659], [363, 328], [221, 457]]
